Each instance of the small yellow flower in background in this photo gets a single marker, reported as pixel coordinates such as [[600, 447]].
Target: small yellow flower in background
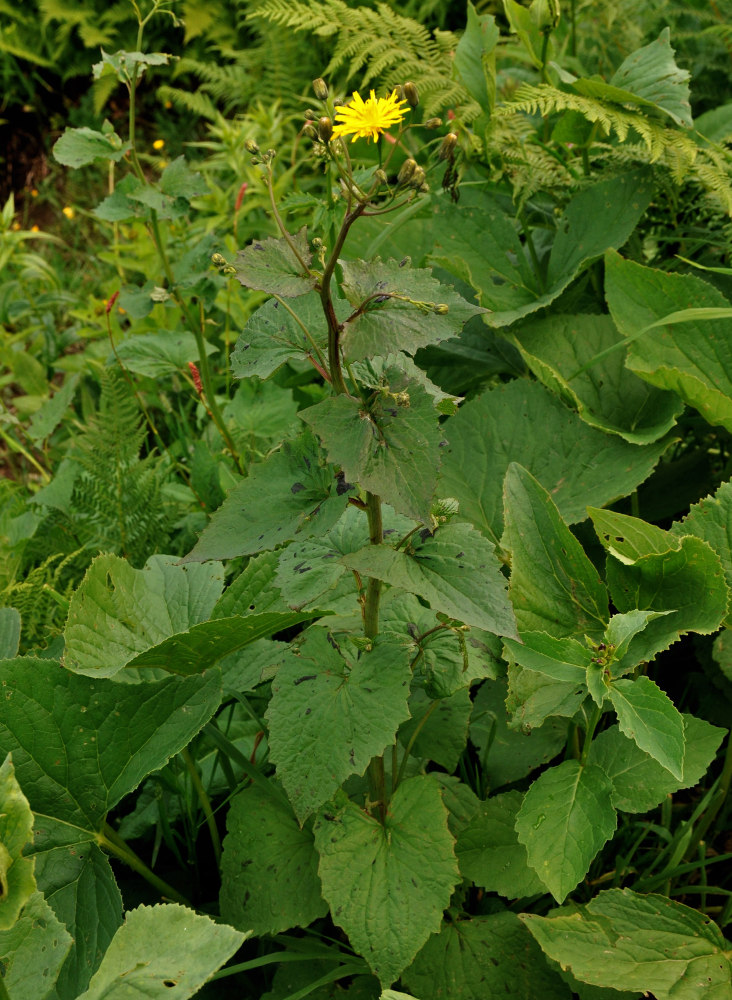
[[35, 229], [15, 226], [68, 211], [34, 192], [159, 143], [368, 119]]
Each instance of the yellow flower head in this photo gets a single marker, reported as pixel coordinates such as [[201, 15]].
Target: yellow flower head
[[368, 119], [68, 211], [159, 143]]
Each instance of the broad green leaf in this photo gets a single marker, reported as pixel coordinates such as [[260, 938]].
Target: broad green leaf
[[489, 852], [308, 570], [479, 242], [649, 569], [370, 372], [161, 353], [118, 612], [565, 819], [440, 725], [398, 308], [628, 941], [9, 632], [17, 882], [652, 74], [162, 951], [639, 781], [649, 717], [523, 422], [100, 738], [124, 64], [76, 879], [46, 420], [561, 659], [480, 958], [474, 60], [269, 868], [523, 24], [332, 710], [253, 591], [277, 265], [627, 645], [387, 885], [33, 951], [554, 587], [455, 569], [533, 698], [390, 447], [509, 754], [560, 350], [711, 520], [79, 146], [451, 659], [275, 333], [694, 359], [461, 801], [179, 181], [304, 497]]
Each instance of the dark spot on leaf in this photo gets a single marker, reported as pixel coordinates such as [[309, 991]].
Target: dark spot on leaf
[[425, 533], [297, 488], [341, 485], [170, 982], [307, 677], [443, 444], [460, 555]]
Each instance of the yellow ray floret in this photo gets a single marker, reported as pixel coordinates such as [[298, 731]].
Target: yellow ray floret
[[368, 119]]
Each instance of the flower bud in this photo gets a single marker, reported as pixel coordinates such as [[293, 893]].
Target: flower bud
[[380, 176], [218, 259], [251, 146], [432, 123], [325, 129], [441, 309], [447, 146], [310, 131], [320, 89], [312, 115], [418, 178], [411, 94], [406, 171]]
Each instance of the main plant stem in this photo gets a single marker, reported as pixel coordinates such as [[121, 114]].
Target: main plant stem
[[111, 841]]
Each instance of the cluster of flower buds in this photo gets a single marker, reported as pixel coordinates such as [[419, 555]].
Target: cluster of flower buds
[[219, 261], [258, 156]]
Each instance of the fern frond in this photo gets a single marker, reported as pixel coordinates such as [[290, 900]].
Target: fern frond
[[658, 139], [195, 101], [377, 43]]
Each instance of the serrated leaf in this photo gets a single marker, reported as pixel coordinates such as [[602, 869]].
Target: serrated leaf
[[331, 712], [160, 353], [522, 422], [455, 569], [277, 265], [479, 242], [483, 957], [628, 941], [44, 421], [9, 632], [33, 951], [533, 698], [652, 74], [273, 335], [474, 60], [489, 852], [561, 351], [694, 358], [639, 782], [561, 659], [440, 731], [253, 591], [79, 146], [387, 885], [17, 882], [565, 819], [76, 879], [554, 587], [386, 292], [371, 372], [269, 868], [304, 498], [391, 448], [625, 634], [508, 754], [179, 181], [651, 569], [711, 520], [162, 951], [100, 738], [649, 717]]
